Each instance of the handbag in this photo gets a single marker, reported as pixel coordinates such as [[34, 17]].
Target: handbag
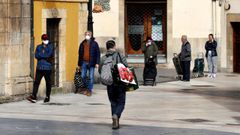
[[78, 81], [123, 75], [132, 87]]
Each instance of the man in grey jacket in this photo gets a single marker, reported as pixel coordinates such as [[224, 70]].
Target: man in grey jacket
[[185, 58]]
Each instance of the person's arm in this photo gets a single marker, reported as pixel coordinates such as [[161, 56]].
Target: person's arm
[[143, 47], [207, 47], [97, 53], [124, 60], [37, 51], [103, 58], [44, 53], [188, 47], [188, 50], [47, 53], [155, 49], [80, 55], [214, 45]]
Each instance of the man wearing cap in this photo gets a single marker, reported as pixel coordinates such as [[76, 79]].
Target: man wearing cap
[[44, 54], [88, 59]]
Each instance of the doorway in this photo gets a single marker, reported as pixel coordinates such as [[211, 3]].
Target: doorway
[[53, 34], [145, 19], [236, 47]]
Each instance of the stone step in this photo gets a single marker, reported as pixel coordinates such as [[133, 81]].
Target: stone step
[[139, 59]]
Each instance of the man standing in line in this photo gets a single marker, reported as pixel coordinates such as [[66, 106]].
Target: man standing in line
[[88, 59], [185, 58], [44, 54]]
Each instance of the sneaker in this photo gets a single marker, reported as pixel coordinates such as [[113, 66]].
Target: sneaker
[[115, 124], [32, 99], [47, 99], [214, 76], [209, 75]]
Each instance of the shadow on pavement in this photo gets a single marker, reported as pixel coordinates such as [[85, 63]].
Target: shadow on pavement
[[44, 127], [228, 98]]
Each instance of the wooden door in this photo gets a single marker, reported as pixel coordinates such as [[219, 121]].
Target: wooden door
[[145, 20], [236, 47]]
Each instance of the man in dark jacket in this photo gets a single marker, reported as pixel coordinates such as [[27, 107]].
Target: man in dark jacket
[[44, 54], [116, 92], [88, 59], [211, 55], [185, 58]]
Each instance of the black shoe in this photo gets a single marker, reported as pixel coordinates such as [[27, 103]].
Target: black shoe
[[47, 99], [32, 99], [115, 124]]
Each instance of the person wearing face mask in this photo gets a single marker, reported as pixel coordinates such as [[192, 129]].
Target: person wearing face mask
[[211, 55], [44, 54], [88, 60], [150, 50]]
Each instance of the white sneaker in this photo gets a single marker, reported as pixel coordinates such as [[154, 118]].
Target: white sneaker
[[214, 76], [209, 75]]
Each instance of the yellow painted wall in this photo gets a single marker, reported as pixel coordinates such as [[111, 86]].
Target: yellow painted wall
[[71, 31]]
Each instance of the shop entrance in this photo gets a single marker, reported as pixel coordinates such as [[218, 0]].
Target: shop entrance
[[236, 47], [145, 19]]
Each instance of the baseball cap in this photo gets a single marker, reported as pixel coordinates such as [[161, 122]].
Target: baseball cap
[[44, 37]]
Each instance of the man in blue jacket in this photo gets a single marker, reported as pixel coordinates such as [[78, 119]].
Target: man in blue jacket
[[44, 54], [88, 59]]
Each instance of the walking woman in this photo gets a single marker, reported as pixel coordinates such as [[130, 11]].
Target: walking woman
[[116, 92], [211, 55]]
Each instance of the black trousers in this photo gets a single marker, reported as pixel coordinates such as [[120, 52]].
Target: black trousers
[[39, 74], [117, 98], [186, 70]]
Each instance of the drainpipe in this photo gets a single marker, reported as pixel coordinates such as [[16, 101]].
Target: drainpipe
[[90, 17], [32, 39], [214, 17]]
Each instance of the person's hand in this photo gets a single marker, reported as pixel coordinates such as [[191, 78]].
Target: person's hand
[[78, 68], [97, 66], [148, 43]]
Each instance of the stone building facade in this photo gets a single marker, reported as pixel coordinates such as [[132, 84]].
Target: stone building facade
[[129, 22], [65, 22], [22, 22], [15, 44]]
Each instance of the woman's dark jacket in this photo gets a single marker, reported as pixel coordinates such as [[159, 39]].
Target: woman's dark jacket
[[211, 46]]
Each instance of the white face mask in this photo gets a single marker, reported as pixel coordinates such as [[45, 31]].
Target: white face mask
[[87, 37], [45, 42]]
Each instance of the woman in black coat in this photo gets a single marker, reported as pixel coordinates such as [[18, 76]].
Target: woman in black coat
[[211, 55]]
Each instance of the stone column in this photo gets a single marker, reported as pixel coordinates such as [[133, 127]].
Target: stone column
[[15, 47]]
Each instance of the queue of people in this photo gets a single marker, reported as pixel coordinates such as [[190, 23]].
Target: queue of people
[[89, 60]]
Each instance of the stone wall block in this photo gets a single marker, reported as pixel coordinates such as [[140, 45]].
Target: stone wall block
[[3, 38], [25, 25], [26, 10], [15, 10], [3, 10], [15, 24]]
